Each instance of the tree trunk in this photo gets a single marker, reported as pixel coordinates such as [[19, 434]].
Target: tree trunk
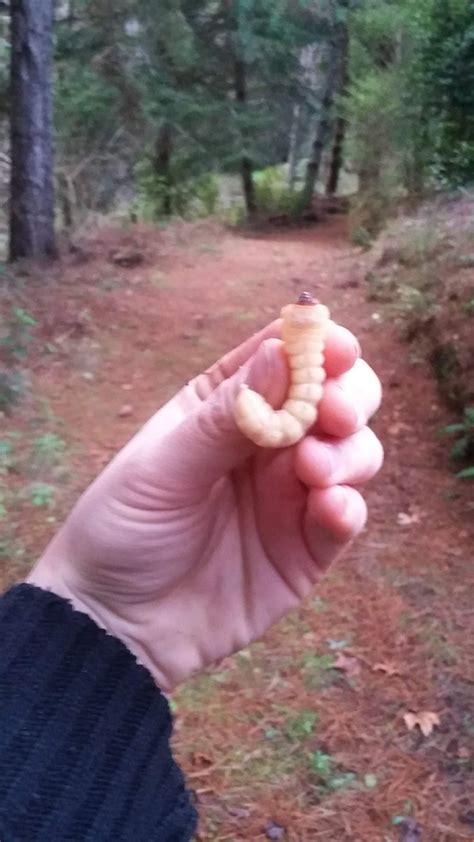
[[335, 165], [31, 126], [66, 200], [162, 165], [246, 167], [293, 146], [338, 49]]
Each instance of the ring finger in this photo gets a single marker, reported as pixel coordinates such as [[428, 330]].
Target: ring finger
[[324, 462]]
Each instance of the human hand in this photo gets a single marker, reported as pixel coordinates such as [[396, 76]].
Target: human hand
[[193, 541]]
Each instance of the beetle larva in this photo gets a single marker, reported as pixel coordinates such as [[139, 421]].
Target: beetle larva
[[303, 333]]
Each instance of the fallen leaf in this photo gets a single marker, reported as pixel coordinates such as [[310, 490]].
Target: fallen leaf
[[387, 667], [425, 719], [347, 664], [274, 831], [410, 831], [404, 519]]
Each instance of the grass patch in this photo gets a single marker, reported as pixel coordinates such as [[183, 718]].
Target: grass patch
[[330, 775], [317, 670], [199, 693], [48, 450], [301, 725], [270, 765], [41, 494]]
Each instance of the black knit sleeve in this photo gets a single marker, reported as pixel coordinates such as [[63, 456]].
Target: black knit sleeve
[[84, 733]]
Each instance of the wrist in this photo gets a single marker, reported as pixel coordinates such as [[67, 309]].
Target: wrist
[[55, 572]]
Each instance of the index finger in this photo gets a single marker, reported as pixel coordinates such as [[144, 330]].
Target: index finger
[[341, 351]]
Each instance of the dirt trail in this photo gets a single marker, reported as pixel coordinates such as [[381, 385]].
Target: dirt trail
[[279, 740]]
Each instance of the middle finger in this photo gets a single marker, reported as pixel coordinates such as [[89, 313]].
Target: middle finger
[[349, 401]]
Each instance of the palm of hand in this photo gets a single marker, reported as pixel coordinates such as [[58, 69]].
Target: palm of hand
[[192, 542], [221, 559]]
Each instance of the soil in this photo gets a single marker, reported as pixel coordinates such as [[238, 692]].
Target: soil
[[302, 736]]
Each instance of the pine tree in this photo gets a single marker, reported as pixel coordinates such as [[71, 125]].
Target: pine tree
[[32, 188]]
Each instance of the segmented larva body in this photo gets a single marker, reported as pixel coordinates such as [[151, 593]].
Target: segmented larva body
[[303, 334]]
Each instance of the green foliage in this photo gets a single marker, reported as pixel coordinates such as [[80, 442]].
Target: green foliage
[[12, 387], [330, 775], [246, 81], [410, 104], [386, 131], [41, 494], [15, 335], [84, 104], [301, 726], [123, 72], [206, 192], [463, 447], [179, 193], [448, 66], [317, 670], [48, 450], [273, 194]]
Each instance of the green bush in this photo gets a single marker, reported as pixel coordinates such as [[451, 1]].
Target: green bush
[[463, 448], [206, 193], [272, 193], [187, 195]]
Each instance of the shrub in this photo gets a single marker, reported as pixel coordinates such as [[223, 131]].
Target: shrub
[[272, 193]]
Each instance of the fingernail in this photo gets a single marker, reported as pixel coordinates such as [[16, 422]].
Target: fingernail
[[356, 421]]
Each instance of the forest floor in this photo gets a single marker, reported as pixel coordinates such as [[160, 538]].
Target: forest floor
[[302, 736]]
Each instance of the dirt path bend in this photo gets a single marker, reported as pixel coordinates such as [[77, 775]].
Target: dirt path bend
[[302, 737]]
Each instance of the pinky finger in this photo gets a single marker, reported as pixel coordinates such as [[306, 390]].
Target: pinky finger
[[334, 517]]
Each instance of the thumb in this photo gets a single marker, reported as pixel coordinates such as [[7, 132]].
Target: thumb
[[208, 443]]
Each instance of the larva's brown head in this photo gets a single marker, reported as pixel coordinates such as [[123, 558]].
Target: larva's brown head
[[306, 299], [306, 312]]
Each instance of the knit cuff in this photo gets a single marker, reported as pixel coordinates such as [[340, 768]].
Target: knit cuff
[[84, 732]]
